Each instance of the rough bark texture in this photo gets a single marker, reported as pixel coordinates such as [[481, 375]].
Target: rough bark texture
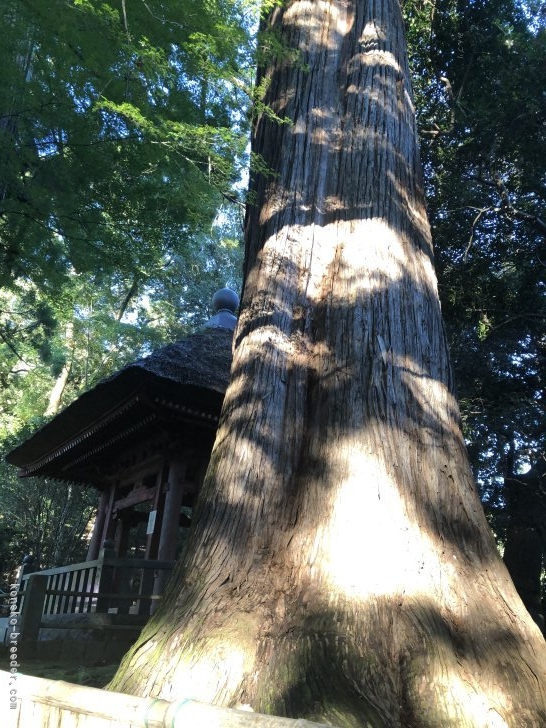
[[341, 567]]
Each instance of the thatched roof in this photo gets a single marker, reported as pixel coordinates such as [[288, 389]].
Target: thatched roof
[[201, 360], [180, 383]]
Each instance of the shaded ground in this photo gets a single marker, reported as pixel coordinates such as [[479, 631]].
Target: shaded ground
[[95, 676]]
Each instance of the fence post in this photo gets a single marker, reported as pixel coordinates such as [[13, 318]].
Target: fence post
[[33, 607], [27, 565]]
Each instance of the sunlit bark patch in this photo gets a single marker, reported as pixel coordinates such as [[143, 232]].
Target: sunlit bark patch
[[210, 675], [310, 16], [476, 705], [370, 547]]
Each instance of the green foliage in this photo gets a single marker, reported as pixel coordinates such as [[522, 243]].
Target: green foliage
[[123, 128], [122, 131], [112, 133], [45, 518], [479, 73]]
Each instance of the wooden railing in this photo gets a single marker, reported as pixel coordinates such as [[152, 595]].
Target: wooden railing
[[108, 585], [55, 704]]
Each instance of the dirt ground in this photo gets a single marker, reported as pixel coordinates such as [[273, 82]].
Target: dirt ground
[[96, 676]]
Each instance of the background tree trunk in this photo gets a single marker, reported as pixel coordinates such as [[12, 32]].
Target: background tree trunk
[[525, 498], [340, 566], [56, 394]]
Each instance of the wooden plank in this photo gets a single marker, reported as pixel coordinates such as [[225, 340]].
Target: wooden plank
[[96, 627], [138, 563]]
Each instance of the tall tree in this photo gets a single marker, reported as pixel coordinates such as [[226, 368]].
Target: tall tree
[[340, 566]]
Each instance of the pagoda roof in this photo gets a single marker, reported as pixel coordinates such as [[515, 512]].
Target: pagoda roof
[[181, 385]]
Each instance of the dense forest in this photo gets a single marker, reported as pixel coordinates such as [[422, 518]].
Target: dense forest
[[124, 145]]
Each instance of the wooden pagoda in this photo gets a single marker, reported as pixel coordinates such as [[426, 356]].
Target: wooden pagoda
[[142, 438]]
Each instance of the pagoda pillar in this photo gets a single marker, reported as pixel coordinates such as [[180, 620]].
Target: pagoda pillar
[[171, 514], [96, 537], [170, 523]]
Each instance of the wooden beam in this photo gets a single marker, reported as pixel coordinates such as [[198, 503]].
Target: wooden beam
[[137, 495]]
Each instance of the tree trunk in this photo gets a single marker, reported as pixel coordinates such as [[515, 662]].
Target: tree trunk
[[340, 567], [57, 391], [523, 556], [525, 535]]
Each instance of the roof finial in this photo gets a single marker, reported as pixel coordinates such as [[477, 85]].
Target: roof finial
[[224, 304]]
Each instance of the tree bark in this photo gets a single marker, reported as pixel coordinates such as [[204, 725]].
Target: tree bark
[[340, 567], [57, 391]]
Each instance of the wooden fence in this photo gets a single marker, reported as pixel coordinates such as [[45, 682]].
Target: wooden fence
[[125, 588], [123, 584], [32, 701]]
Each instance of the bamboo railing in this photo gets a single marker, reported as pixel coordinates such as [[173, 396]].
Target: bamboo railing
[[57, 704]]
